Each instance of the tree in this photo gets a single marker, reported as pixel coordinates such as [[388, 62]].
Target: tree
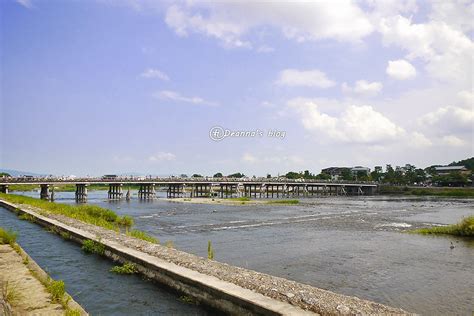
[[269, 176], [4, 174], [236, 175], [218, 175], [197, 175], [323, 176]]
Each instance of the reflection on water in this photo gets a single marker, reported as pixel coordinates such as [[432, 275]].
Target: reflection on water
[[356, 246]]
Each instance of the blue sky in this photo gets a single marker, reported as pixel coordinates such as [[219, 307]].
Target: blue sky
[[94, 87]]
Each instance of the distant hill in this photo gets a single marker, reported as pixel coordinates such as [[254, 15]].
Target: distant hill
[[468, 163], [16, 173]]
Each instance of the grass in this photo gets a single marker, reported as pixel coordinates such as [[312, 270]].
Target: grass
[[57, 289], [465, 228], [210, 251], [72, 312], [91, 246], [7, 237], [188, 300], [126, 268], [287, 202], [11, 294], [65, 235], [240, 199], [27, 217], [142, 235], [426, 191]]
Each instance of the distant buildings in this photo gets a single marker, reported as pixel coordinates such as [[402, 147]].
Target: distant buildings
[[445, 170], [338, 173]]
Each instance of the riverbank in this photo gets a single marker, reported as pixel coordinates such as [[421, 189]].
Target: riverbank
[[427, 191], [156, 261], [465, 228], [27, 289]]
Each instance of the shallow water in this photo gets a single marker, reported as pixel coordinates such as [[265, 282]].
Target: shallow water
[[350, 245]]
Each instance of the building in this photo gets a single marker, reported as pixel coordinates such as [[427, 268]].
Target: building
[[335, 172], [359, 169], [445, 170]]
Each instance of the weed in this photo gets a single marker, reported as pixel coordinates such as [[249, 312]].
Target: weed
[[240, 199], [26, 261], [289, 202], [72, 312], [464, 228], [7, 236], [11, 294], [188, 300], [142, 235], [27, 217], [210, 251], [57, 289], [91, 246], [126, 268], [65, 235]]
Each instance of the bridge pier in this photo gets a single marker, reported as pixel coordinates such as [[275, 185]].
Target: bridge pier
[[81, 192], [44, 192], [115, 191], [4, 188], [147, 191], [174, 190]]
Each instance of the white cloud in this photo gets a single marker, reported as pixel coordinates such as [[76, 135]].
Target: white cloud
[[290, 160], [446, 51], [400, 69], [154, 73], [162, 156], [363, 88], [419, 140], [307, 78], [356, 124], [175, 96], [267, 104], [453, 141], [265, 49], [26, 3], [456, 13], [249, 158], [450, 119], [230, 21]]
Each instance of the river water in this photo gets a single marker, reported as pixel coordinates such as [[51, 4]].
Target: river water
[[352, 245]]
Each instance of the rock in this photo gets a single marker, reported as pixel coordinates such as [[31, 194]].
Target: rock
[[290, 295], [343, 309]]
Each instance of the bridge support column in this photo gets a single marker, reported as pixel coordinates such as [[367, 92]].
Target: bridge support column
[[147, 191], [4, 188], [81, 192], [174, 190], [44, 193], [115, 191]]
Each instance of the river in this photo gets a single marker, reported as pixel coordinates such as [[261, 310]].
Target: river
[[351, 245]]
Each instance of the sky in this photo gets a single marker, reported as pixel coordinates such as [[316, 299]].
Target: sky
[[168, 87]]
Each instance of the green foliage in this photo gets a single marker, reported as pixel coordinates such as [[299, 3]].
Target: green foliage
[[465, 228], [240, 199], [188, 300], [72, 312], [27, 217], [126, 221], [65, 235], [236, 175], [142, 235], [468, 163], [126, 268], [290, 202], [11, 293], [196, 175], [210, 251], [57, 289], [91, 214], [91, 246], [218, 175], [431, 191], [7, 236], [4, 174]]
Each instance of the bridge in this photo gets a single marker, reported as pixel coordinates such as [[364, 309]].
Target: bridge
[[198, 188]]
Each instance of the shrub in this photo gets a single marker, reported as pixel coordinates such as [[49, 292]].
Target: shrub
[[126, 268], [57, 290], [465, 228]]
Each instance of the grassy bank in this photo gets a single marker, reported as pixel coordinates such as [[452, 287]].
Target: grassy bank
[[427, 191], [90, 214], [287, 202], [66, 187], [464, 228]]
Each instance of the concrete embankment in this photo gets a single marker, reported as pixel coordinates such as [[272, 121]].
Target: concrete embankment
[[221, 286], [24, 290]]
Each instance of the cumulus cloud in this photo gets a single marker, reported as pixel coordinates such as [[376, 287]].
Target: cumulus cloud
[[363, 88], [177, 97], [400, 69], [356, 124], [230, 21], [162, 156], [446, 50], [306, 78], [450, 119], [419, 140], [151, 73]]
